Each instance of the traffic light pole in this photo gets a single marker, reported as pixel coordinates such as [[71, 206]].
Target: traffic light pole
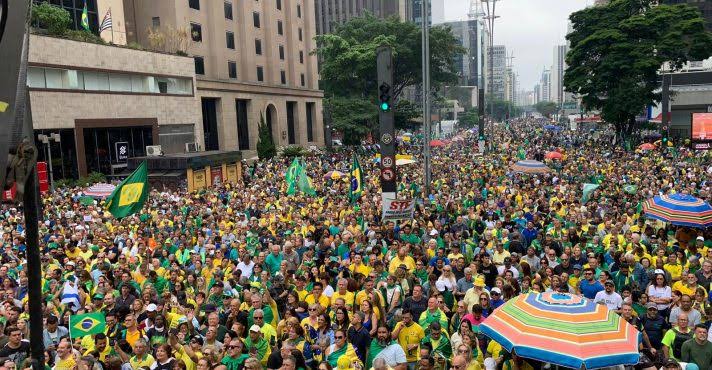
[[385, 118], [665, 122], [426, 94]]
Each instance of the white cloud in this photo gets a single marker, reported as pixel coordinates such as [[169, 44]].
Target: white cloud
[[530, 28]]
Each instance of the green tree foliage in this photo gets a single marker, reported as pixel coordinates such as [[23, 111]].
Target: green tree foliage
[[406, 113], [355, 117], [460, 93], [52, 18], [265, 145], [470, 118], [546, 108], [502, 108], [617, 51]]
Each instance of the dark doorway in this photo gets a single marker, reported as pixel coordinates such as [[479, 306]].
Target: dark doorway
[[311, 108], [210, 123], [291, 111], [272, 122], [243, 132]]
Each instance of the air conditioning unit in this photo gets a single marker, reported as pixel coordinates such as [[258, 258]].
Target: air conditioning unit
[[154, 151], [191, 147]]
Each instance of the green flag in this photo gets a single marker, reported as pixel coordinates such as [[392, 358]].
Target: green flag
[[86, 324], [587, 190], [129, 197], [291, 176], [85, 17], [304, 182], [630, 189], [356, 180]]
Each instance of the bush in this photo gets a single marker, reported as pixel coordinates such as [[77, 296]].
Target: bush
[[265, 145], [293, 151], [64, 183], [84, 36], [52, 18], [135, 45]]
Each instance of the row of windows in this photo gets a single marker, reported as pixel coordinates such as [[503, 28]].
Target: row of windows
[[196, 31], [195, 4], [232, 71], [56, 78]]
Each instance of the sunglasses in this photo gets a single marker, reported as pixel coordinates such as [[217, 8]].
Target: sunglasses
[[339, 337], [312, 309], [258, 317]]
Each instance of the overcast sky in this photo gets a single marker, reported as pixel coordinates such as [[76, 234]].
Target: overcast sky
[[530, 28]]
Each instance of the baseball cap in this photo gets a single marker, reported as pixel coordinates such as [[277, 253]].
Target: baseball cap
[[671, 362], [151, 307], [700, 238], [198, 339], [577, 267], [255, 328], [480, 282], [650, 305], [495, 290], [609, 282]]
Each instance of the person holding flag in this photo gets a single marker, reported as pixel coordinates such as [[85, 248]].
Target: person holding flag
[[129, 197], [355, 180]]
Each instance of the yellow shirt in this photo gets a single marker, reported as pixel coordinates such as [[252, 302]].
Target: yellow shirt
[[323, 300], [675, 270], [412, 334], [137, 363], [363, 269], [348, 297], [67, 364], [408, 261]]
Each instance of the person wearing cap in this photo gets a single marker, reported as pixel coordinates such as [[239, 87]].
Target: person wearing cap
[[257, 346], [496, 299], [609, 296], [401, 258], [654, 325], [472, 296]]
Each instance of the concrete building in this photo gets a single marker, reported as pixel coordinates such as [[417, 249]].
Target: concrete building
[[511, 86], [558, 67], [468, 64], [497, 82], [536, 95], [101, 98], [545, 85], [331, 13], [252, 60]]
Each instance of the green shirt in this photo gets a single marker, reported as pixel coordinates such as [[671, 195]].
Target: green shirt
[[700, 355], [273, 262], [234, 363]]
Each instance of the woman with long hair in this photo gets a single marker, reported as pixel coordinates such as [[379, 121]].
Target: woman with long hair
[[371, 320], [485, 303], [660, 293], [447, 285], [295, 337], [341, 319]]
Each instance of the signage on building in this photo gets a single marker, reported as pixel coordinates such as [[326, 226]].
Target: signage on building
[[398, 209], [701, 138], [122, 151], [42, 177]]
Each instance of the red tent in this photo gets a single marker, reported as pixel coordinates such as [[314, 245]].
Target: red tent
[[437, 143], [553, 155]]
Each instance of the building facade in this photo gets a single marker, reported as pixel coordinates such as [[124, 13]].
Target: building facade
[[468, 64], [332, 13], [558, 67], [252, 61], [497, 81], [545, 85]]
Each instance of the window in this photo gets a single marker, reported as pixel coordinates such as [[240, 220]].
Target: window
[[156, 22], [232, 69], [196, 32], [228, 10], [258, 47], [303, 79], [256, 19], [301, 57], [281, 52], [120, 82], [300, 34], [283, 77], [230, 40], [299, 11], [260, 74], [279, 4], [194, 4], [280, 30], [72, 79], [199, 65]]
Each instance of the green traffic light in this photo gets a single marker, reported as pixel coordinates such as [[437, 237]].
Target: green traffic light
[[384, 106]]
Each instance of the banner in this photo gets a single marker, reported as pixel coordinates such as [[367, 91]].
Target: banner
[[398, 209]]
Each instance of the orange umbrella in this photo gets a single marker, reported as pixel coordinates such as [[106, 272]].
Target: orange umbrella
[[646, 146], [437, 143], [553, 155]]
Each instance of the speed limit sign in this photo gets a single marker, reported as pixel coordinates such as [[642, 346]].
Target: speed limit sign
[[388, 162]]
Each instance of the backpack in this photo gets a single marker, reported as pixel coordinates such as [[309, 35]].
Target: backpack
[[680, 338]]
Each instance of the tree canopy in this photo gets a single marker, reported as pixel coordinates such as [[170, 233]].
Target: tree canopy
[[546, 108], [618, 50], [348, 68]]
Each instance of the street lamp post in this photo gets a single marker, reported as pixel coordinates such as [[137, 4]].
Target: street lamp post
[[490, 23], [46, 140], [425, 5]]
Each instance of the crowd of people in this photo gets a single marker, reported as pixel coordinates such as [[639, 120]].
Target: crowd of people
[[245, 277]]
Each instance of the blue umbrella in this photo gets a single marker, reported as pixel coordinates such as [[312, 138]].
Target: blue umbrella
[[529, 166], [679, 209], [552, 128]]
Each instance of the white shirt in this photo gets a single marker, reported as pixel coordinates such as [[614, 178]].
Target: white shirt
[[613, 301], [246, 268]]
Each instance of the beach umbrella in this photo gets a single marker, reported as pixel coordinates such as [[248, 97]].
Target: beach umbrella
[[529, 166], [553, 155], [99, 190], [679, 209], [552, 128], [86, 201], [437, 143], [403, 162], [563, 329], [646, 146], [334, 175]]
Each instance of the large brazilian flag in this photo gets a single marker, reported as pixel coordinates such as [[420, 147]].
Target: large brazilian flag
[[129, 197], [86, 324]]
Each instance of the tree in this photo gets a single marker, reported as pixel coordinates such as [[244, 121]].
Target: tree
[[265, 145], [618, 50], [52, 18], [405, 113], [355, 117], [470, 118], [546, 108], [502, 109]]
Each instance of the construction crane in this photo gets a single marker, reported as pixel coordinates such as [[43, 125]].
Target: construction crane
[[476, 10]]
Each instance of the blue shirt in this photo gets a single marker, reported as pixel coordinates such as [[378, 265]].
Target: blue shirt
[[589, 290]]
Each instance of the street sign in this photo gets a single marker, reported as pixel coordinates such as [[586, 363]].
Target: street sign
[[394, 209], [122, 151], [387, 138], [387, 174], [481, 146], [387, 162]]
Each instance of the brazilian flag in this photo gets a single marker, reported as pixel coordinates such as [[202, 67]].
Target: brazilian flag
[[291, 176], [129, 197], [85, 17], [86, 324], [356, 183]]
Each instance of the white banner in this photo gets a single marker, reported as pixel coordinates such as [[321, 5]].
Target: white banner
[[394, 209]]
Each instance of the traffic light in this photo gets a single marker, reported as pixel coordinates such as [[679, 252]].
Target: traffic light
[[482, 137], [664, 135], [385, 97]]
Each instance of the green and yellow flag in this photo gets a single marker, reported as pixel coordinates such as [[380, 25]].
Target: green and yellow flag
[[291, 176], [587, 191], [356, 180], [86, 324], [304, 183], [129, 197], [85, 17]]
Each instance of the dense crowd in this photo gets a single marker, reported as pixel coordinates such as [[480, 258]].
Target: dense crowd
[[245, 277]]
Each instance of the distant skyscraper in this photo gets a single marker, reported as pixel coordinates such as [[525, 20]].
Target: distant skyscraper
[[557, 74], [497, 87], [437, 8], [331, 13], [600, 2], [545, 85], [467, 64]]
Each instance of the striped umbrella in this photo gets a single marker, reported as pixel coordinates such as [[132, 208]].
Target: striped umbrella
[[679, 209], [334, 175], [563, 329], [529, 166], [99, 190]]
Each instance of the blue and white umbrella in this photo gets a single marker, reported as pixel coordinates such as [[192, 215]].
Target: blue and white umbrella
[[529, 166], [679, 209]]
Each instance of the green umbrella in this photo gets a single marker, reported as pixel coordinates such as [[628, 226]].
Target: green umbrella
[[86, 201]]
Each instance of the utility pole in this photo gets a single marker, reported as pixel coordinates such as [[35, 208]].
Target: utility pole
[[387, 140], [426, 94], [491, 17]]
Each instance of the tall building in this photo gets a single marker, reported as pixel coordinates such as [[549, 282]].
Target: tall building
[[468, 64], [332, 13], [511, 86], [252, 61], [545, 85], [536, 97], [497, 81], [437, 11], [558, 67]]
